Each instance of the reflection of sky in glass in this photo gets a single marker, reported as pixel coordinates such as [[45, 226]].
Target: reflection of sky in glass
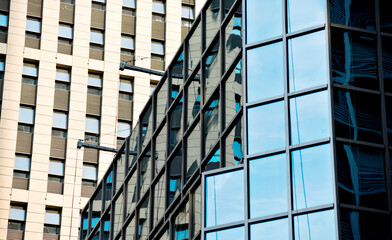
[[268, 186], [224, 198], [309, 117], [33, 25], [266, 130], [30, 70], [264, 19], [53, 218], [17, 214], [308, 65], [26, 115], [65, 31], [278, 229], [304, 13], [265, 72], [319, 225], [22, 163], [3, 20], [312, 177], [229, 234]]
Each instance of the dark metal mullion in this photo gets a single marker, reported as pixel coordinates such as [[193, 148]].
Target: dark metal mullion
[[125, 189], [383, 108], [221, 87], [287, 120]]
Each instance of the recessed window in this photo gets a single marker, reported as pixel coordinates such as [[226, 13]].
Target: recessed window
[[52, 221], [22, 163], [30, 69], [56, 167], [63, 74], [33, 25], [157, 48], [26, 115], [127, 42], [17, 217], [59, 133], [158, 18], [96, 36], [125, 85], [158, 7], [3, 20], [89, 172], [94, 80], [187, 12], [92, 125], [129, 3], [60, 120], [65, 31], [123, 129]]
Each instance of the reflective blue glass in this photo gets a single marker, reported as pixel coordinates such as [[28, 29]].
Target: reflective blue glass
[[3, 20], [1, 64], [26, 115], [22, 163], [228, 234], [266, 127], [309, 117], [60, 120], [319, 225], [312, 183], [96, 37], [158, 7], [304, 14], [33, 25], [65, 31], [92, 125], [265, 72], [308, 66], [354, 59], [52, 217], [224, 198], [268, 186], [129, 3], [353, 13], [277, 229], [264, 19], [17, 213], [56, 167]]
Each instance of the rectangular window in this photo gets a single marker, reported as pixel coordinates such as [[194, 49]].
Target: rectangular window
[[3, 20], [158, 6], [65, 31], [33, 25], [129, 3], [3, 26], [96, 36], [63, 74], [157, 48], [187, 12], [56, 171], [123, 129], [26, 115], [1, 80], [127, 42], [30, 73], [153, 86], [22, 166], [52, 222], [126, 89], [89, 175], [17, 217], [60, 120], [94, 84], [158, 18], [92, 125]]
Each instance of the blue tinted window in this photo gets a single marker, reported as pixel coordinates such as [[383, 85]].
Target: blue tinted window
[[126, 85], [354, 59], [63, 75], [96, 36], [308, 66], [157, 48], [212, 126], [265, 72], [228, 234], [17, 213], [361, 176], [26, 115], [214, 161], [33, 25], [65, 31], [266, 127], [312, 177], [278, 229], [1, 64], [52, 217], [319, 225], [309, 117], [158, 7], [224, 198], [56, 167], [304, 14], [129, 3], [264, 19], [90, 172], [353, 13], [127, 42], [268, 186], [92, 125], [94, 80], [123, 129], [3, 20], [60, 120], [30, 69], [22, 163]]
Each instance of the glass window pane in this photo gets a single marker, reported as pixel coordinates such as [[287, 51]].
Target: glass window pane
[[56, 167], [52, 217], [126, 85], [181, 224], [265, 72], [131, 199], [212, 70], [30, 69], [312, 177], [228, 234], [175, 119], [129, 3], [353, 13], [33, 25], [145, 173], [187, 12], [386, 16], [212, 125], [277, 229], [264, 19], [308, 65], [304, 14], [123, 129], [22, 163], [158, 7], [213, 21], [159, 199], [60, 120], [147, 125], [157, 48], [26, 115], [364, 225], [234, 147], [268, 186], [63, 75], [65, 31], [233, 41], [388, 103], [177, 75], [160, 149], [3, 20], [96, 36], [266, 127], [224, 198], [127, 42], [94, 80], [120, 173], [193, 151], [118, 215], [214, 161], [194, 48], [92, 125], [130, 230], [106, 226], [143, 225], [17, 213], [354, 59], [90, 172], [96, 207], [357, 115], [361, 176], [175, 185], [161, 101], [309, 117], [108, 188], [193, 92], [233, 93], [387, 62], [319, 225]]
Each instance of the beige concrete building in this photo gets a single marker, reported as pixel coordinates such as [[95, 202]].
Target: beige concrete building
[[60, 82]]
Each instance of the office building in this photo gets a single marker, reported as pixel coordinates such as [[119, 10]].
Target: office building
[[60, 82], [272, 122]]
